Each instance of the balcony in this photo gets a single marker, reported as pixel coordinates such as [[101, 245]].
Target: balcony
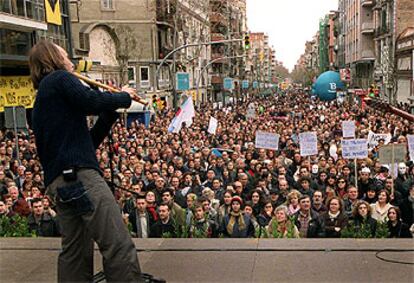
[[217, 36], [384, 30], [26, 16], [218, 18], [217, 56], [164, 50], [367, 55], [367, 3], [221, 3], [165, 11], [215, 79], [367, 28]]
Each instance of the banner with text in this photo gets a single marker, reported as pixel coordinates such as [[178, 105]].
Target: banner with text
[[355, 148], [308, 143], [267, 140], [348, 129], [16, 91], [374, 138]]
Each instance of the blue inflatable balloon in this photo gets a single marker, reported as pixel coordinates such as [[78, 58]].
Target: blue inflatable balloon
[[327, 84]]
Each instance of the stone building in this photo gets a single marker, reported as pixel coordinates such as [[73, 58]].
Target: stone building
[[227, 21], [127, 40], [392, 18]]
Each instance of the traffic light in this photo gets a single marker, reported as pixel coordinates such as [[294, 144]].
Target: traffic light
[[154, 101], [247, 41]]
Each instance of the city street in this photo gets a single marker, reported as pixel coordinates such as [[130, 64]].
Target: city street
[[222, 140]]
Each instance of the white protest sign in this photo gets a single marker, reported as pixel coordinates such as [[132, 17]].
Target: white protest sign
[[212, 126], [386, 155], [333, 149], [374, 138], [308, 142], [355, 148], [251, 113], [267, 140], [410, 139], [348, 129]]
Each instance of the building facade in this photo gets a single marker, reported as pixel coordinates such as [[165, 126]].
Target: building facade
[[127, 40], [22, 24], [227, 21], [366, 42]]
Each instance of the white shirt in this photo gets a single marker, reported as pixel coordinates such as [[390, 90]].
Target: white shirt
[[144, 225]]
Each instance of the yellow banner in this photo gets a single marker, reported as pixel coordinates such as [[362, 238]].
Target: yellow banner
[[16, 91], [53, 15]]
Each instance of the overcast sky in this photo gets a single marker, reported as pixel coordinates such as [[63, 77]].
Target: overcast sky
[[289, 24]]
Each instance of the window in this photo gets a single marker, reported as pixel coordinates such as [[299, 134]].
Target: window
[[58, 34], [15, 43], [107, 4], [144, 76], [131, 75], [31, 9]]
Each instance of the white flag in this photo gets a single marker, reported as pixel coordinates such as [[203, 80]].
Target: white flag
[[212, 126]]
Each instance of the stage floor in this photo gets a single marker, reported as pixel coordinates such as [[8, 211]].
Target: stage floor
[[231, 260]]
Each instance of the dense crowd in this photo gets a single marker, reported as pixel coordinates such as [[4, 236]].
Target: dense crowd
[[196, 184]]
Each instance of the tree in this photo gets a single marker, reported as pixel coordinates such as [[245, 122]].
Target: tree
[[127, 47]]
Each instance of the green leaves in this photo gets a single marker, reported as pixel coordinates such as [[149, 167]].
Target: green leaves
[[364, 230], [15, 226]]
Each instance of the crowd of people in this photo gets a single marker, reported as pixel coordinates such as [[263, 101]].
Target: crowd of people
[[195, 184]]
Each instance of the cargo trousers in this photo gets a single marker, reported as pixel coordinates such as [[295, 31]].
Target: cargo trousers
[[103, 224]]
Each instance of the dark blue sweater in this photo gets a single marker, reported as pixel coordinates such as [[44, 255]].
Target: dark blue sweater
[[59, 122]]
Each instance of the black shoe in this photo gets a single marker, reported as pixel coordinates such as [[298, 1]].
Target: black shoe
[[145, 278], [148, 278]]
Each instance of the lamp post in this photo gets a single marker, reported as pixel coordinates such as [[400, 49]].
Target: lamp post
[[212, 62], [183, 47]]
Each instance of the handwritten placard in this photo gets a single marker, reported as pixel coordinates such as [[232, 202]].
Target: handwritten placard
[[267, 140], [387, 156], [348, 129], [373, 139], [16, 91], [251, 113], [212, 126], [308, 142], [354, 148], [410, 139]]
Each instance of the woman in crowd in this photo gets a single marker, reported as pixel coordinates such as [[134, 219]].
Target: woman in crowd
[[396, 228], [267, 212], [236, 224], [381, 206], [151, 204], [225, 208], [334, 220], [361, 220], [342, 187], [280, 226], [257, 202], [292, 202]]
